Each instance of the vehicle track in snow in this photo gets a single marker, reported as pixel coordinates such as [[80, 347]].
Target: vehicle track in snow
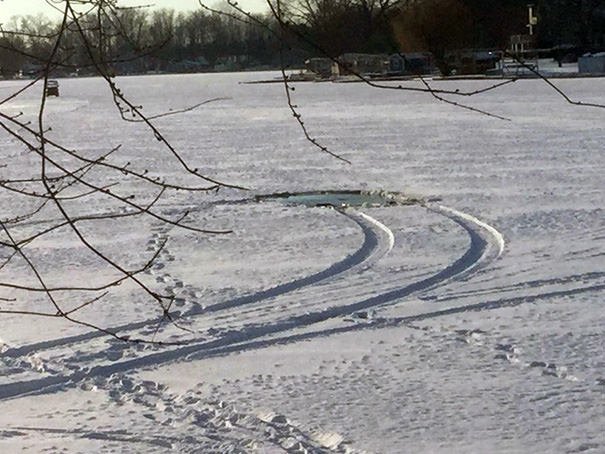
[[486, 244], [377, 241], [523, 285]]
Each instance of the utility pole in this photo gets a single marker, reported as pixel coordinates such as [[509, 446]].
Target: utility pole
[[533, 20]]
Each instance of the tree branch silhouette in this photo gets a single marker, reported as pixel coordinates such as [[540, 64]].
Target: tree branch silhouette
[[66, 174]]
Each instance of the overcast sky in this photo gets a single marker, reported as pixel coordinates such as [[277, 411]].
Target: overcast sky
[[9, 8]]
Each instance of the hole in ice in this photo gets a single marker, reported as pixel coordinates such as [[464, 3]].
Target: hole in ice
[[340, 199]]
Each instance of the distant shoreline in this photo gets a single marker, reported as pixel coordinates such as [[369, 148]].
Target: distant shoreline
[[439, 78]]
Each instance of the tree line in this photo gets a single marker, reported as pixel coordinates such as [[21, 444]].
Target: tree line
[[141, 40]]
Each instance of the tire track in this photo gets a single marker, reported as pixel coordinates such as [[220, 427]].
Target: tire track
[[479, 253], [372, 249], [398, 321], [531, 284], [377, 241], [487, 244]]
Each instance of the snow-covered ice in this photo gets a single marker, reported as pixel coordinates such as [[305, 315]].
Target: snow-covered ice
[[470, 321]]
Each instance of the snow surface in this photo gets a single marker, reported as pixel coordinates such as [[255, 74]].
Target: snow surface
[[469, 324]]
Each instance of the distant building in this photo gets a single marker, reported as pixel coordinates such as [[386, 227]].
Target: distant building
[[320, 66], [472, 61], [592, 63], [29, 70], [350, 63], [364, 64], [411, 63], [520, 44]]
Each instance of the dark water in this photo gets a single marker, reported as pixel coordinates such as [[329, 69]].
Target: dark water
[[340, 199]]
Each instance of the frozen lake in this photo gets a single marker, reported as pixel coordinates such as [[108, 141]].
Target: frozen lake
[[469, 321]]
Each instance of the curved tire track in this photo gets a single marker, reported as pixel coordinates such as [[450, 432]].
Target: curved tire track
[[370, 251], [482, 238], [378, 240]]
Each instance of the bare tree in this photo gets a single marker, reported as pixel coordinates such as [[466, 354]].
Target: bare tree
[[343, 25], [61, 181], [435, 26]]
